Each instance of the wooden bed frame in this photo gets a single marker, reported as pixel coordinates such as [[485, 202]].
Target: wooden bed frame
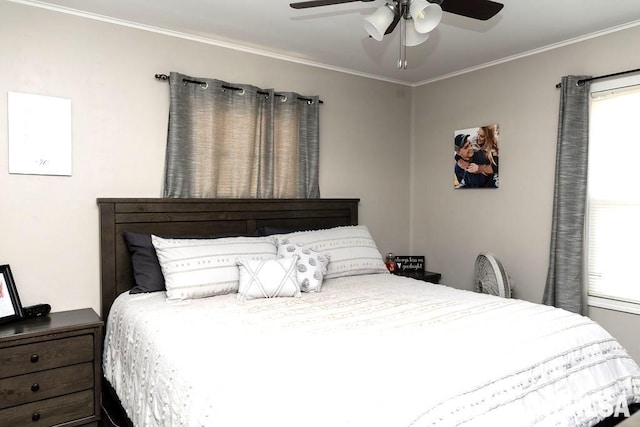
[[189, 217], [193, 217]]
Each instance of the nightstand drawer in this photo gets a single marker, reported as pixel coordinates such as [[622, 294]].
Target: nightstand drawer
[[45, 384], [50, 412], [43, 355]]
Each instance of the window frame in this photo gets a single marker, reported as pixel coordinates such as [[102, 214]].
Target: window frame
[[607, 302]]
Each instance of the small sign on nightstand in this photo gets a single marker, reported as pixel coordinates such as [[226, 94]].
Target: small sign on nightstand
[[409, 264]]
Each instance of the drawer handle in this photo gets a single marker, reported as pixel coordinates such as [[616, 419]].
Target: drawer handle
[[35, 387], [35, 416], [34, 358]]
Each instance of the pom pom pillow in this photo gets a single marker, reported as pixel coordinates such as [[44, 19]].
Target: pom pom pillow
[[311, 265]]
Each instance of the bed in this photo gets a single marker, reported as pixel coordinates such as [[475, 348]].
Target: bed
[[363, 348]]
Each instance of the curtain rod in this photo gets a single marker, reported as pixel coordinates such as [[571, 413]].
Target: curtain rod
[[583, 81], [166, 78]]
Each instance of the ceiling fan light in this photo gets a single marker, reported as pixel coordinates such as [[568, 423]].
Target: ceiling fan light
[[426, 16], [413, 37], [378, 22]]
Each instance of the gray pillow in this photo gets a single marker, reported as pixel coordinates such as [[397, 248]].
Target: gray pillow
[[145, 264]]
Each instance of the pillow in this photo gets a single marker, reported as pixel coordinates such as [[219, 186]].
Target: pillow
[[144, 262], [351, 249], [310, 268], [268, 230], [199, 268], [268, 278]]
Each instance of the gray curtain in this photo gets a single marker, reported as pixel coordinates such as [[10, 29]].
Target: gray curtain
[[229, 140], [565, 285]]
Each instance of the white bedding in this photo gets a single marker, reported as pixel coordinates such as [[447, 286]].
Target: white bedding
[[367, 351]]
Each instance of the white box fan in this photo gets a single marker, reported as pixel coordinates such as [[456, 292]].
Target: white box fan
[[490, 276]]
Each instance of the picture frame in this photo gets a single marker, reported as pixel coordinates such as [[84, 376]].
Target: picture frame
[[10, 306], [476, 156]]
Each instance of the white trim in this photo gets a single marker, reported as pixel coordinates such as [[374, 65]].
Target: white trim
[[228, 45], [412, 169], [611, 304], [205, 40], [530, 53], [598, 296]]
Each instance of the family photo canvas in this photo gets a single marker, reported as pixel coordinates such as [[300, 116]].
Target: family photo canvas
[[476, 156]]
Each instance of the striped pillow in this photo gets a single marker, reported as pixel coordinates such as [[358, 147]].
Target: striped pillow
[[199, 268], [351, 249]]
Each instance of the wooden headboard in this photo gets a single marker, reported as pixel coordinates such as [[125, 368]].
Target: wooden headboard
[[192, 217]]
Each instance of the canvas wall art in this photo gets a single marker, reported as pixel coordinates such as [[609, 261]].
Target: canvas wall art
[[476, 157], [39, 134]]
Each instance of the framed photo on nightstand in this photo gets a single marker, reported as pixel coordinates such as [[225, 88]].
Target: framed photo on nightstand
[[10, 307]]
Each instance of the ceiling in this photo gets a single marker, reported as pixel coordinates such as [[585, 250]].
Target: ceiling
[[333, 36]]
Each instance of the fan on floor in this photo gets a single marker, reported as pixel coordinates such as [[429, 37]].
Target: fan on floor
[[490, 276], [416, 17]]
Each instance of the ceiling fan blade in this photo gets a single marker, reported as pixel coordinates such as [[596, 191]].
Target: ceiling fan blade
[[476, 9], [316, 3]]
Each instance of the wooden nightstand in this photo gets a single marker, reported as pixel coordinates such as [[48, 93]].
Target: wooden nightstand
[[50, 370], [427, 276]]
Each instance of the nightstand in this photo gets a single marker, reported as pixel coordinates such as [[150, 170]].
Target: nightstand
[[50, 370], [427, 276]]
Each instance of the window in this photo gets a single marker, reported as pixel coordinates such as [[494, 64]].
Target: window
[[613, 199]]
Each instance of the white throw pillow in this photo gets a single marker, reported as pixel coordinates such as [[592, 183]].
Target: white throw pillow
[[198, 268], [352, 249], [311, 265], [268, 278]]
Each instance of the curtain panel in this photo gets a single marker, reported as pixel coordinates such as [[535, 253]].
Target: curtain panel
[[229, 140], [565, 287]]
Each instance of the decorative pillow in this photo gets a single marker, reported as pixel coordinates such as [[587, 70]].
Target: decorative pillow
[[144, 262], [198, 268], [268, 278], [351, 249], [311, 265]]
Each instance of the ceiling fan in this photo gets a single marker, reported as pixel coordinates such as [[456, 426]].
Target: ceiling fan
[[416, 17]]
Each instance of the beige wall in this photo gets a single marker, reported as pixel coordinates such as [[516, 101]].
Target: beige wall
[[49, 225], [453, 226]]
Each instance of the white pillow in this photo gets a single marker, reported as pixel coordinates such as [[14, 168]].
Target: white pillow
[[268, 278], [351, 249], [311, 265], [198, 268]]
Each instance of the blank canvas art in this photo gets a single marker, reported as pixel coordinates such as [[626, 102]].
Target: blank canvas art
[[39, 134]]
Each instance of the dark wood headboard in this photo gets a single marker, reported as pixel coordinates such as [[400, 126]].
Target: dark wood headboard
[[190, 217]]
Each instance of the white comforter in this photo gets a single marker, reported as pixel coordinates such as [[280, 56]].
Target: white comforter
[[368, 351]]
